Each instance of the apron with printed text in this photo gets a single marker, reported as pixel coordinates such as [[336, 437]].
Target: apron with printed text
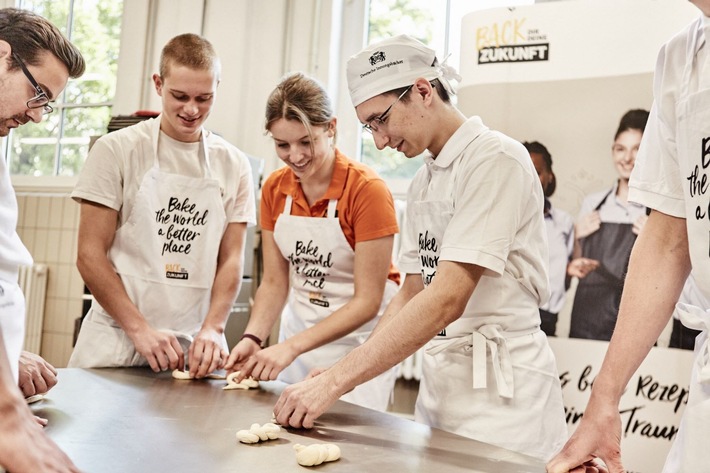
[[479, 379], [689, 452], [598, 295], [166, 256], [321, 274]]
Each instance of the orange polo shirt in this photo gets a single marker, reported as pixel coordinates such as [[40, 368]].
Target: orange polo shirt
[[365, 206]]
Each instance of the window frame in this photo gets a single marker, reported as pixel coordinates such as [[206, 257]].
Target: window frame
[[449, 36], [55, 182]]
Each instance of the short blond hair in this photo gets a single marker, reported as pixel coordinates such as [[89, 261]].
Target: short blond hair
[[189, 50]]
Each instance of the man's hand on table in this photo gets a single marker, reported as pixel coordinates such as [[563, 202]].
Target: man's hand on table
[[36, 375], [24, 447], [206, 353], [302, 403]]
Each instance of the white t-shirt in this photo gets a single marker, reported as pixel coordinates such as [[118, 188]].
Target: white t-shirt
[[118, 161], [660, 178], [497, 221]]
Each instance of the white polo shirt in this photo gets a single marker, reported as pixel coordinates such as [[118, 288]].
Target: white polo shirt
[[497, 221]]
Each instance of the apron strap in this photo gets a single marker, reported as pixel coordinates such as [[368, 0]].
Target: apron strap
[[698, 319], [331, 207], [287, 205], [599, 206], [488, 338]]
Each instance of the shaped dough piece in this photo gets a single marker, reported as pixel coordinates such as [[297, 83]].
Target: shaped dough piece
[[258, 433], [34, 398], [182, 375], [316, 453], [247, 383], [185, 375]]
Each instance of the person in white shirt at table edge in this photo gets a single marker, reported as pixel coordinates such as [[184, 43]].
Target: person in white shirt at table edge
[[36, 61], [164, 210], [475, 257], [669, 177]]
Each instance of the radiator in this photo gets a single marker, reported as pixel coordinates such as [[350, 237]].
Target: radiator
[[33, 282]]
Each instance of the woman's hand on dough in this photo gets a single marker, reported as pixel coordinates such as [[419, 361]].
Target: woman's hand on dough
[[266, 364], [240, 354]]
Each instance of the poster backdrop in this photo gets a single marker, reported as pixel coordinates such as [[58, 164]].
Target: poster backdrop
[[650, 408], [563, 73]]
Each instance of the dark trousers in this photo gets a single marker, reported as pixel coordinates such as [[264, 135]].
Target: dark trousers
[[682, 336], [548, 322]]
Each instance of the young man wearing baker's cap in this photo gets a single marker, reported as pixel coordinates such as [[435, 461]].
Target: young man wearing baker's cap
[[475, 255]]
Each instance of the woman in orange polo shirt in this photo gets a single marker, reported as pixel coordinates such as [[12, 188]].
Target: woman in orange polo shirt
[[328, 225]]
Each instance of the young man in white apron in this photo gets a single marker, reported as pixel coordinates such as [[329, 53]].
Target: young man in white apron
[[36, 61], [164, 210], [669, 177], [475, 254]]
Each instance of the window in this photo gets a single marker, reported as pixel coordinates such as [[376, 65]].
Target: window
[[436, 24], [58, 145]]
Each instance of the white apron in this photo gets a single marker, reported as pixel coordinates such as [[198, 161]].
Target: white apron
[[321, 276], [166, 255], [479, 380], [689, 453]]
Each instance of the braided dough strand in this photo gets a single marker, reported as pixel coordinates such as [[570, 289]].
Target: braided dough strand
[[247, 383], [316, 453], [258, 433]]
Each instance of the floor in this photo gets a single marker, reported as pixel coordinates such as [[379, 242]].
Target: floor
[[405, 395]]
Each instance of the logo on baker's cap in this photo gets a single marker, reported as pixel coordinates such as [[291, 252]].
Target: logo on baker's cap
[[393, 63], [379, 56]]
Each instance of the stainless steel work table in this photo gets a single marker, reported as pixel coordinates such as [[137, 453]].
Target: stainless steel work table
[[133, 420]]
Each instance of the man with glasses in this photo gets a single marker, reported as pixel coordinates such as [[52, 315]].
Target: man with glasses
[[475, 254], [36, 61]]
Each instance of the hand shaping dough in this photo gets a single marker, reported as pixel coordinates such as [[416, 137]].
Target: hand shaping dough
[[246, 383], [258, 433], [316, 453], [185, 375]]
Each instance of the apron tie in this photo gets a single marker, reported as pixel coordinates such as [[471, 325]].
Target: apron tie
[[488, 338], [698, 319]]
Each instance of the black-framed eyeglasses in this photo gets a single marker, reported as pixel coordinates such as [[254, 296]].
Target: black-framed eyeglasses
[[41, 100], [375, 124]]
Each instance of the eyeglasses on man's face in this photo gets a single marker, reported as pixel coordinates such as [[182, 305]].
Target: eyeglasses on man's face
[[40, 100], [377, 122]]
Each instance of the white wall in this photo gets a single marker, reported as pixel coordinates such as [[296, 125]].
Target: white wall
[[258, 42]]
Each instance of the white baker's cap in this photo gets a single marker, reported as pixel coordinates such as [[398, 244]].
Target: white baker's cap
[[393, 63]]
